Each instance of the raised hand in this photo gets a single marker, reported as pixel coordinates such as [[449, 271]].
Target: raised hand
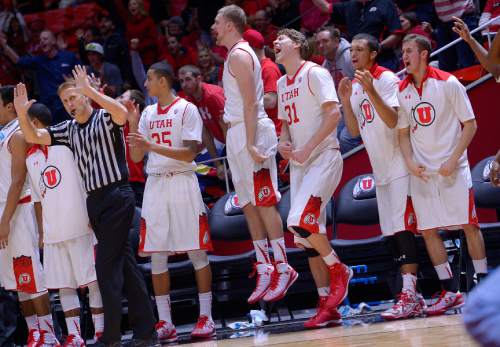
[[82, 80], [345, 89], [461, 29], [133, 112], [365, 78], [21, 102]]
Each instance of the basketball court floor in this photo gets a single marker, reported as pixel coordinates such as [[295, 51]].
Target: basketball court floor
[[367, 330]]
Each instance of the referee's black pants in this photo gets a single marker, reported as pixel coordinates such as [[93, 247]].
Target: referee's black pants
[[111, 210]]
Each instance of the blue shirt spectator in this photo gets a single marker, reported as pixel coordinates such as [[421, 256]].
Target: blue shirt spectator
[[51, 68]]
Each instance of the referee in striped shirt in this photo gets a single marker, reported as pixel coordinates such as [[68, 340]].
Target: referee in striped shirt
[[95, 137]]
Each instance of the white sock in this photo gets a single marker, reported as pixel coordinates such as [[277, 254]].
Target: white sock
[[444, 271], [73, 325], [205, 304], [98, 320], [323, 291], [279, 249], [262, 251], [331, 258], [32, 322], [480, 266], [409, 282], [163, 306], [46, 323]]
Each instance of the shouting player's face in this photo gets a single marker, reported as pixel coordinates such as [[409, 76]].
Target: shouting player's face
[[219, 29], [413, 58], [284, 48], [361, 55]]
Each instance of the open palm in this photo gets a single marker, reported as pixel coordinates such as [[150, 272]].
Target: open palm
[[21, 102]]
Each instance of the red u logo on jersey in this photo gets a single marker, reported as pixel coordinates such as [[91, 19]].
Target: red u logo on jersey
[[51, 177], [367, 111], [424, 114]]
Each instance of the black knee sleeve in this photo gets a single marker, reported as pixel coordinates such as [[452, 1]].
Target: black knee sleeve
[[302, 232], [404, 247], [311, 252]]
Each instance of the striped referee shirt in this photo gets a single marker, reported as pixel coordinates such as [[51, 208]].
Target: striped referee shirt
[[98, 147]]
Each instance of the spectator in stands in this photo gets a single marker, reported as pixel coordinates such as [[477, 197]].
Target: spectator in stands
[[411, 25], [35, 29], [285, 13], [178, 55], [337, 53], [108, 73], [134, 101], [84, 37], [209, 70], [141, 26], [51, 68], [378, 18], [115, 47], [312, 18], [210, 102], [8, 12], [17, 36], [491, 10], [460, 55], [270, 76], [218, 53], [262, 23]]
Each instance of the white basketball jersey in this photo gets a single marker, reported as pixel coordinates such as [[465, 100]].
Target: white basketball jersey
[[299, 104], [381, 142], [233, 107], [6, 161], [434, 114], [57, 184], [170, 126]]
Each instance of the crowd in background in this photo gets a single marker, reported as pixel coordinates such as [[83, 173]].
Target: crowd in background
[[124, 37]]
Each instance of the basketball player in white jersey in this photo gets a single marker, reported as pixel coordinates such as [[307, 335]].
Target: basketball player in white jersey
[[370, 104], [68, 240], [251, 148], [434, 108], [173, 212], [20, 267], [308, 108]]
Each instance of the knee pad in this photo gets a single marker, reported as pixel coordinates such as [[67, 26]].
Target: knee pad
[[405, 247], [95, 299], [311, 252], [23, 296], [69, 299], [37, 295], [302, 232], [199, 258], [159, 263]]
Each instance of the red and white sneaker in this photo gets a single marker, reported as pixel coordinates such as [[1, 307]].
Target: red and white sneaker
[[166, 331], [281, 280], [47, 340], [33, 338], [324, 317], [74, 341], [340, 275], [407, 306], [264, 273], [205, 328], [446, 301]]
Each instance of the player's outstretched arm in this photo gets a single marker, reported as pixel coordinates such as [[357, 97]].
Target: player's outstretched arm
[[489, 60], [22, 104], [241, 65], [117, 111], [18, 148], [345, 92]]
